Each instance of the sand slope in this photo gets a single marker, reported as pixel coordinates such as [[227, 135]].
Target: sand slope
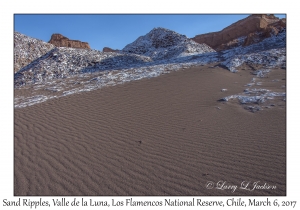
[[159, 136]]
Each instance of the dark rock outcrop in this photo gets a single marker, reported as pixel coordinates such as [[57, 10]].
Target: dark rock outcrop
[[107, 49], [61, 41]]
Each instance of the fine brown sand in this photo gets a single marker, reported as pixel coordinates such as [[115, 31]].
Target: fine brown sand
[[159, 136]]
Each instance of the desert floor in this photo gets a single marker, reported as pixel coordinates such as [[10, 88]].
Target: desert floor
[[167, 135]]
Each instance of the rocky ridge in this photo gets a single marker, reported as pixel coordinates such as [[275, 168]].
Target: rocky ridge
[[27, 49], [62, 62], [61, 41]]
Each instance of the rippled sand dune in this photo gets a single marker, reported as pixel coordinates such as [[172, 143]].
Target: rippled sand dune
[[167, 135]]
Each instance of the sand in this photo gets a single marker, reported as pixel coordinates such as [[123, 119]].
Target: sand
[[162, 136]]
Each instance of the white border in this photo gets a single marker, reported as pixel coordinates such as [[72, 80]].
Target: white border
[[8, 8]]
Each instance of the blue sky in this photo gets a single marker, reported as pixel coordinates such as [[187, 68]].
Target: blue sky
[[117, 30]]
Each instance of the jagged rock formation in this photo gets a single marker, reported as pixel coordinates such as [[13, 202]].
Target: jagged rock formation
[[252, 29], [161, 43], [107, 49], [61, 41], [27, 49]]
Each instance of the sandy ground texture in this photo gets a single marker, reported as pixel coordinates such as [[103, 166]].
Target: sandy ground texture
[[167, 135]]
